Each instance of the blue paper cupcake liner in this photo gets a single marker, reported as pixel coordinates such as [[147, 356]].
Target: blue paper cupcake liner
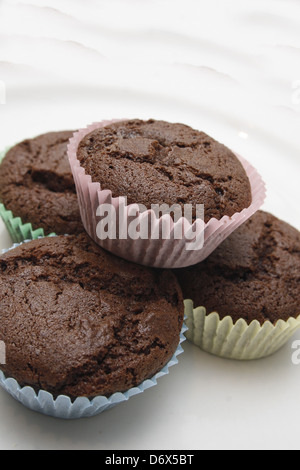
[[63, 407]]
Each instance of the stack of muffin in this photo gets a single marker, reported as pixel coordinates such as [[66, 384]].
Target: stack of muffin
[[88, 322]]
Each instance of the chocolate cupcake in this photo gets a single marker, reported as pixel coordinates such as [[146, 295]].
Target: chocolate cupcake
[[243, 301], [37, 187], [79, 322], [155, 163]]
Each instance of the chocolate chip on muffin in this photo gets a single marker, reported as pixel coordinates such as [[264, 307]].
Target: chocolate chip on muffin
[[36, 184], [156, 162], [79, 321]]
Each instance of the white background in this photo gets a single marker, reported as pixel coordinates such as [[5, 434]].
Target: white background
[[231, 69]]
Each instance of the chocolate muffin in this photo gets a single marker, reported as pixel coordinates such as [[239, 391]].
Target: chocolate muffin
[[36, 184], [79, 321], [156, 162], [254, 274]]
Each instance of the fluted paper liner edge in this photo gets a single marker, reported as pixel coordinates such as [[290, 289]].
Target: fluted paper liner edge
[[17, 229], [238, 340], [63, 407], [160, 253]]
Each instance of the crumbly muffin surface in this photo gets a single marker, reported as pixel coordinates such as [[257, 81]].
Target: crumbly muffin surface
[[254, 274], [36, 184], [156, 162], [79, 321]]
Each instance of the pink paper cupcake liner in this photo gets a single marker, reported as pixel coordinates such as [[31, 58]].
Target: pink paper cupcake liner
[[160, 253]]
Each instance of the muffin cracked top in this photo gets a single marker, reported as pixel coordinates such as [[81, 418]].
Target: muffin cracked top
[[156, 162], [36, 184], [79, 321], [254, 274]]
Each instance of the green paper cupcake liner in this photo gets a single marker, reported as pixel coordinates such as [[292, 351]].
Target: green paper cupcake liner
[[238, 340], [15, 226], [17, 230]]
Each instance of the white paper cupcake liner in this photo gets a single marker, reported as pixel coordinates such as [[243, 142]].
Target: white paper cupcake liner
[[161, 253], [238, 340], [62, 406]]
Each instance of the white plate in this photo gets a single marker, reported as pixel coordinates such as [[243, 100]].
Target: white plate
[[231, 72]]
